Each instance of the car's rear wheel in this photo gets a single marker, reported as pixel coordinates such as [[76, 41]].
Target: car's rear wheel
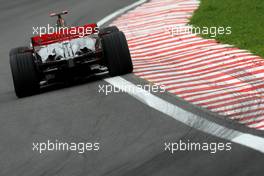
[[25, 75], [116, 54], [108, 30], [18, 50]]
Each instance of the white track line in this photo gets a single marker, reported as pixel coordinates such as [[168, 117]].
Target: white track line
[[119, 12], [251, 141]]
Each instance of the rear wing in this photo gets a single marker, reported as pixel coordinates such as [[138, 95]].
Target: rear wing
[[58, 14], [65, 34]]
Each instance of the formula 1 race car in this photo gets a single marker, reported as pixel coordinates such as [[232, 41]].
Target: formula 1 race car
[[68, 53]]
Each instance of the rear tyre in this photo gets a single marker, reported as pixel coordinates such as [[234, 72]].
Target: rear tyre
[[108, 30], [25, 75], [116, 54], [18, 50]]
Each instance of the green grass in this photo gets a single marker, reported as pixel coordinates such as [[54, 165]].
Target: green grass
[[246, 17]]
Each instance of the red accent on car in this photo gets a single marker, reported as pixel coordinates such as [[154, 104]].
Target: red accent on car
[[64, 34]]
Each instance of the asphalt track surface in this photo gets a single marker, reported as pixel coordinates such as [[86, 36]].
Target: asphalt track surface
[[131, 134]]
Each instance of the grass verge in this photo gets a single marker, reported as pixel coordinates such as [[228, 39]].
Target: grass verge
[[246, 17]]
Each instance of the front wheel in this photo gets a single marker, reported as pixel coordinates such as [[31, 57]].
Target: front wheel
[[25, 75], [116, 54]]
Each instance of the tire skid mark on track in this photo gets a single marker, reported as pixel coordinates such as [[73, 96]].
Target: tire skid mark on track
[[218, 77]]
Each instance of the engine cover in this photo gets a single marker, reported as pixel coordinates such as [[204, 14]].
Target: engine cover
[[66, 49]]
